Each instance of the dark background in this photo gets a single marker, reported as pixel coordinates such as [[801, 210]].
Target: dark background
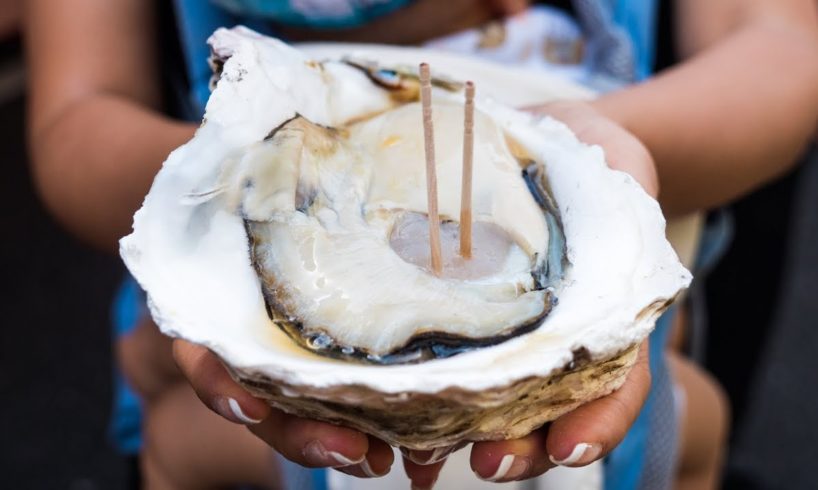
[[56, 357]]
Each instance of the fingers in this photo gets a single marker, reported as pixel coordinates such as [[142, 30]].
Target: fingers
[[623, 151], [423, 476], [575, 439], [312, 443], [303, 441], [318, 445], [215, 387], [377, 463], [516, 459], [594, 429]]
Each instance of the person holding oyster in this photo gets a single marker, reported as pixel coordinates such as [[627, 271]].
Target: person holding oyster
[[95, 105]]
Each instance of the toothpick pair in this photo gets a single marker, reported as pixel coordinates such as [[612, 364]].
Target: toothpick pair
[[431, 174]]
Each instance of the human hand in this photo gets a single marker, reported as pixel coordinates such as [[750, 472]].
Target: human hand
[[591, 431], [307, 442], [578, 438], [623, 151]]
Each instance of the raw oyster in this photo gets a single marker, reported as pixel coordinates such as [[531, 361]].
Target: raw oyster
[[322, 206], [322, 121]]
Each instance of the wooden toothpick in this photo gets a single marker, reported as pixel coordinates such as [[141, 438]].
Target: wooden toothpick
[[431, 174], [465, 188]]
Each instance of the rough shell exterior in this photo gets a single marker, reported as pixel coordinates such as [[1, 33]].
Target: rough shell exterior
[[424, 421]]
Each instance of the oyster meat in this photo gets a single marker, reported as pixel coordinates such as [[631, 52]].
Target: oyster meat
[[322, 206], [290, 237]]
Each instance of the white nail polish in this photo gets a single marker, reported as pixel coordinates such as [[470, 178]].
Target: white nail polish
[[368, 471], [511, 467], [437, 455], [583, 453], [317, 454], [343, 460], [235, 409], [505, 464]]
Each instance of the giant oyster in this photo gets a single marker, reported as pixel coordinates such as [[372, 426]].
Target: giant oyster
[[281, 237]]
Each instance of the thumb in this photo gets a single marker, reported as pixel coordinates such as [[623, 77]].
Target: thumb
[[215, 387], [591, 431]]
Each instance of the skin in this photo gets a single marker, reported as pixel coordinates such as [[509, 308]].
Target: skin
[[9, 17], [97, 139], [738, 112]]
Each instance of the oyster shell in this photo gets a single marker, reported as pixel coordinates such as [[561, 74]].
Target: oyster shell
[[189, 250]]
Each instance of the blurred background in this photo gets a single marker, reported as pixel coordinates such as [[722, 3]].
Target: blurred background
[[55, 345]]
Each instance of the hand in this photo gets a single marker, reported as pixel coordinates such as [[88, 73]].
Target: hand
[[576, 439], [594, 429], [306, 442], [623, 151]]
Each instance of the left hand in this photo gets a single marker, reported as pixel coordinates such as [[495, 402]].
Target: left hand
[[578, 438], [623, 150], [591, 431]]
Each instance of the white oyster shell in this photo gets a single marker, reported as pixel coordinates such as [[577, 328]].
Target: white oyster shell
[[191, 257]]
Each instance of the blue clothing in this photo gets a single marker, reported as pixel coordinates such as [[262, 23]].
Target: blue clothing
[[125, 431], [625, 30], [333, 14]]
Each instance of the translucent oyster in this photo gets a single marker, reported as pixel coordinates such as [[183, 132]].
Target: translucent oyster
[[271, 238]]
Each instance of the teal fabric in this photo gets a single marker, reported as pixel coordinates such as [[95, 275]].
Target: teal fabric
[[638, 18], [625, 465], [196, 20], [319, 14], [125, 428]]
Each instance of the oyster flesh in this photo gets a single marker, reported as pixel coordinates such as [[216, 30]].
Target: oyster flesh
[[322, 206]]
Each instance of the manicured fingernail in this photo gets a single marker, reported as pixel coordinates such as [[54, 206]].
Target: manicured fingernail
[[511, 467], [230, 409], [239, 413], [363, 470], [368, 471], [424, 458], [582, 454], [315, 453]]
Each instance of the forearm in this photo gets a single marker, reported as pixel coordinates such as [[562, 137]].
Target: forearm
[[95, 163], [728, 120]]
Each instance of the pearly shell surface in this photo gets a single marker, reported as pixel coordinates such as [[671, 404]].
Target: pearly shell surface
[[190, 255]]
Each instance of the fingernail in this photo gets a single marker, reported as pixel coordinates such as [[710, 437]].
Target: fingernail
[[425, 458], [511, 467], [363, 469], [582, 454], [368, 471], [230, 409], [315, 453]]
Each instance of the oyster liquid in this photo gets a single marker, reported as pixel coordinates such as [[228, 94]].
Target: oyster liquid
[[490, 246]]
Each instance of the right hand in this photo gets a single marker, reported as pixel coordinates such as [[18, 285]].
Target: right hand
[[307, 442]]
